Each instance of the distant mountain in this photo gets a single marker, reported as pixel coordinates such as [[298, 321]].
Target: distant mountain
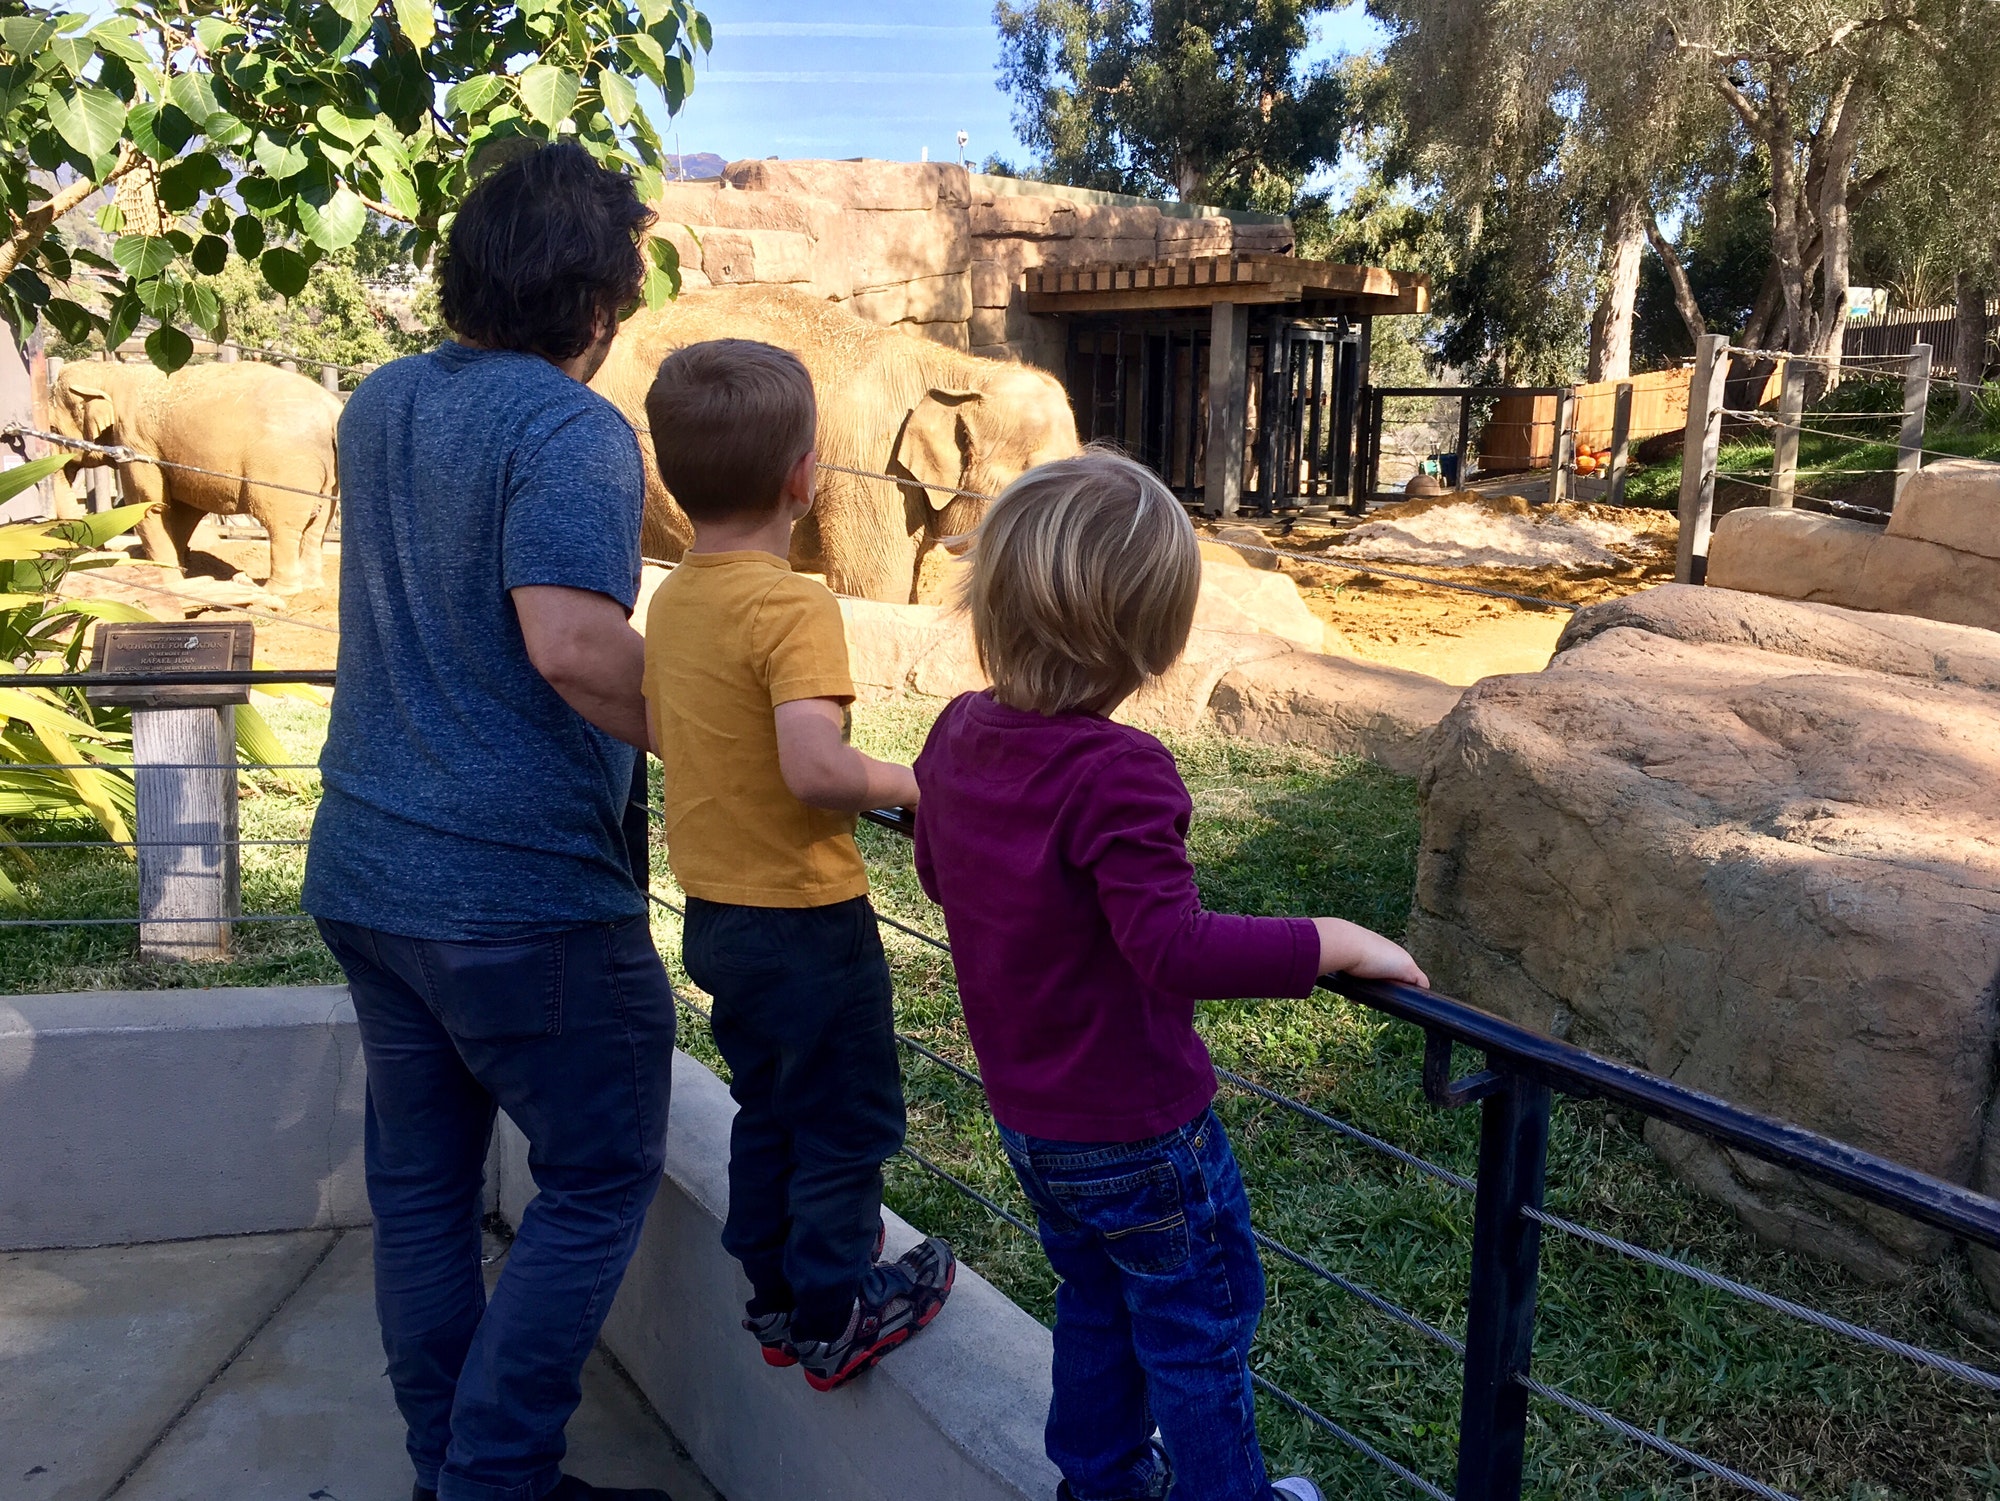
[[693, 167]]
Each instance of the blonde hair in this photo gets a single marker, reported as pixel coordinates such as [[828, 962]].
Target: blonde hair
[[1083, 584]]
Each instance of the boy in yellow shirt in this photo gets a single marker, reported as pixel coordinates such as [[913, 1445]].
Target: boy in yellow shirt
[[746, 689]]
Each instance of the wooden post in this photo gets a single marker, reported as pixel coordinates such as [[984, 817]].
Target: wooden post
[[1228, 397], [329, 378], [184, 770], [1621, 442], [291, 365], [1916, 399], [1698, 456], [1564, 453], [1464, 437], [228, 354], [1785, 446]]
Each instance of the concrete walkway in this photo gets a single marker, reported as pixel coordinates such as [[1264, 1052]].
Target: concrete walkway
[[240, 1369]]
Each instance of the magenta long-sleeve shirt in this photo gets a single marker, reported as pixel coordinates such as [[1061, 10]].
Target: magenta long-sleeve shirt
[[1057, 846]]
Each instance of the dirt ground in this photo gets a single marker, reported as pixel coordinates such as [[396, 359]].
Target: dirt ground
[[1455, 636]]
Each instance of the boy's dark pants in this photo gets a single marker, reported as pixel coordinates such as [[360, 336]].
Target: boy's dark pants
[[572, 1034], [805, 1020]]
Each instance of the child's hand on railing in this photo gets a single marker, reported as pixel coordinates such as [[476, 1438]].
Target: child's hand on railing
[[1349, 948]]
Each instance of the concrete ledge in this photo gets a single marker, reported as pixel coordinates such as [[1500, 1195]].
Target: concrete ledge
[[957, 1415], [169, 1114]]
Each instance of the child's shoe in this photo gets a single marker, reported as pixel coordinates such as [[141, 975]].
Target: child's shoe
[[773, 1331], [774, 1336], [897, 1299], [1297, 1488]]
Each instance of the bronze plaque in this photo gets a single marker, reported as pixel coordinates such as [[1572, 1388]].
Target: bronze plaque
[[152, 648]]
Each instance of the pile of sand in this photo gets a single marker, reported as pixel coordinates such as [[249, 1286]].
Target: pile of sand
[[1502, 532]]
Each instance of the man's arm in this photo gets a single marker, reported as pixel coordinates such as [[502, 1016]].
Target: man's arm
[[824, 771], [582, 643]]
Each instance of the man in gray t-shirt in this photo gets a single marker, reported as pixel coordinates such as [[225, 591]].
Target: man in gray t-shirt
[[468, 867]]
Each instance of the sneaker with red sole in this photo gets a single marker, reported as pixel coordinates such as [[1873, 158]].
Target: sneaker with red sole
[[773, 1331], [897, 1299]]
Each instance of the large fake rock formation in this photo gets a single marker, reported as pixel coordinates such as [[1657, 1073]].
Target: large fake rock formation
[[1754, 847], [1939, 557]]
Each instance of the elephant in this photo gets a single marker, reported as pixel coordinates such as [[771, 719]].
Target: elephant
[[938, 420], [269, 425]]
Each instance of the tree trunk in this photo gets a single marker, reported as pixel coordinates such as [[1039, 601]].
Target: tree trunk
[[1677, 277], [1758, 333], [1969, 337], [1611, 328]]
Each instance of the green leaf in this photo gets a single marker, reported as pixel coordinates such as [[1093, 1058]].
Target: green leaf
[[114, 39], [72, 319], [91, 120], [647, 55], [193, 94], [143, 256], [211, 254], [25, 37], [652, 12], [416, 21], [161, 296], [286, 270], [182, 184], [704, 33], [215, 34], [111, 219], [344, 127], [336, 224], [621, 99], [95, 531], [474, 94], [169, 348], [75, 53], [548, 93], [278, 161], [24, 476], [397, 189], [216, 218], [123, 318], [203, 307], [248, 233]]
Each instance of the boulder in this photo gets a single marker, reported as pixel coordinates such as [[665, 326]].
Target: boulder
[[921, 299], [1243, 544], [879, 250], [1955, 503], [1801, 555], [1340, 705], [1234, 598], [1184, 239], [1752, 846], [857, 184], [755, 255], [1019, 215], [994, 283]]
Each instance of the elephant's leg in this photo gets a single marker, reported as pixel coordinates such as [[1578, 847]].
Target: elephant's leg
[[285, 519], [864, 541], [181, 522], [68, 504], [144, 486], [312, 544]]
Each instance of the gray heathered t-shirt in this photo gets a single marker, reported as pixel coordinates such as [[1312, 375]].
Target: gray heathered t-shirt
[[463, 797]]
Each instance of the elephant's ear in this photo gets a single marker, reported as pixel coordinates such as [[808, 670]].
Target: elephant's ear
[[93, 406], [933, 447]]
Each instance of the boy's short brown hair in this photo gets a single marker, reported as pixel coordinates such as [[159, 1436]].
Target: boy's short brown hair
[[729, 418], [1084, 578]]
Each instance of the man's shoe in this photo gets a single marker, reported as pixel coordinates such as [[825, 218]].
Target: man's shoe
[[421, 1492], [774, 1336], [569, 1488], [897, 1299], [1297, 1488]]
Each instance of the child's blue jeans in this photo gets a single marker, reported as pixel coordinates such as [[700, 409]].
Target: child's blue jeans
[[1161, 1290]]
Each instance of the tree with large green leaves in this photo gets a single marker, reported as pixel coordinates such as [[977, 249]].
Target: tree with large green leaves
[[268, 131], [1208, 101]]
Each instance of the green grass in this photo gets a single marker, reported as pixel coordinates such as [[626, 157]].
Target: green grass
[[1844, 467], [1290, 831]]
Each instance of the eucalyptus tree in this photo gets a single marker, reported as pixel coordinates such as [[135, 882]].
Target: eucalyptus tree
[[1204, 100], [267, 131]]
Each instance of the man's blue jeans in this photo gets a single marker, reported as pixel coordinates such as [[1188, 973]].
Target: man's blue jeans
[[1161, 1290], [572, 1034]]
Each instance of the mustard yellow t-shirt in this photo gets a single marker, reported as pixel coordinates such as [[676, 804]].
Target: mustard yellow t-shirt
[[729, 637]]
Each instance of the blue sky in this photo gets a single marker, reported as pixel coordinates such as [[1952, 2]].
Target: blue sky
[[887, 79]]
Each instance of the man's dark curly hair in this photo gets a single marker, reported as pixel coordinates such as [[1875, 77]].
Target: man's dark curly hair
[[539, 249]]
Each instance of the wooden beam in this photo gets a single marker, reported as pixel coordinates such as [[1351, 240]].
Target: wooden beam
[[1165, 299], [1228, 406]]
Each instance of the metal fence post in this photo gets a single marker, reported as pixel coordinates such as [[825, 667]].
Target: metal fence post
[[1621, 442], [329, 379], [1916, 399], [1785, 446], [1699, 455], [1500, 1309]]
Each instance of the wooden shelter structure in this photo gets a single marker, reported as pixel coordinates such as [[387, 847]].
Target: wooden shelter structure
[[1238, 378]]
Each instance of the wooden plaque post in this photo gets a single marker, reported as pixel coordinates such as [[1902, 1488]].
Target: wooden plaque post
[[184, 770]]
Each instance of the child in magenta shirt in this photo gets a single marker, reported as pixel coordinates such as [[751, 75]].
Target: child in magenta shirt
[[1055, 841]]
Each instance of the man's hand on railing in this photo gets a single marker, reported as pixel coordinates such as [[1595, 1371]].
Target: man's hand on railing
[[1349, 948]]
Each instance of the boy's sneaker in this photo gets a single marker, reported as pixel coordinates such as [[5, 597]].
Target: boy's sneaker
[[1297, 1488], [897, 1299], [773, 1331]]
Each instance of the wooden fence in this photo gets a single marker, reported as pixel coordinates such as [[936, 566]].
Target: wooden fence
[[1893, 335]]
